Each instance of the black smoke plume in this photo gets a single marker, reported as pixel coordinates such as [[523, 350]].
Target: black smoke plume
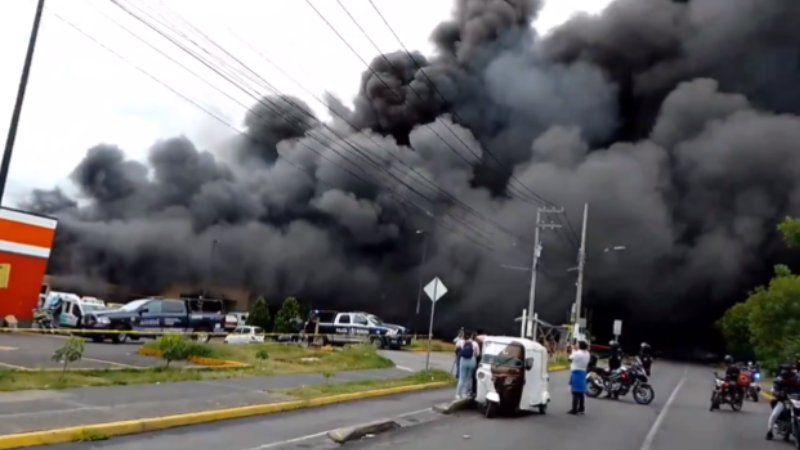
[[675, 121]]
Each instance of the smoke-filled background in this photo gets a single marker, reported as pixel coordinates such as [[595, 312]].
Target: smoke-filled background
[[675, 122]]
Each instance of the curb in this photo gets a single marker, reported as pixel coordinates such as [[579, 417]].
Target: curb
[[767, 395], [75, 434], [348, 434], [453, 406], [557, 368]]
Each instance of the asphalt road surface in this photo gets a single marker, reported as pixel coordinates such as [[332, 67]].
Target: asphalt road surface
[[678, 419], [305, 429], [36, 351]]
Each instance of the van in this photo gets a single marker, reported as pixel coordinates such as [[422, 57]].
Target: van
[[72, 309]]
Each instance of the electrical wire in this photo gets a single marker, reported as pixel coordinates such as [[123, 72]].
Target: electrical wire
[[225, 123], [355, 148], [508, 173]]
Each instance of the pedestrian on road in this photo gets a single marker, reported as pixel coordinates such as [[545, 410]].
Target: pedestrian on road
[[478, 337], [458, 341], [579, 362], [468, 352]]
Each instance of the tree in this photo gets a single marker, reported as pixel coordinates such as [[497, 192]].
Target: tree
[[71, 352], [790, 228], [262, 355], [283, 319], [735, 327], [259, 315], [174, 347]]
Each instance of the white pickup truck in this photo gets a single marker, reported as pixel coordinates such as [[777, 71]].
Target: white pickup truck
[[359, 327]]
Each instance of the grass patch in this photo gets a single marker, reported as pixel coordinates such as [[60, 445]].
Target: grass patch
[[289, 358], [324, 390], [283, 359], [421, 344]]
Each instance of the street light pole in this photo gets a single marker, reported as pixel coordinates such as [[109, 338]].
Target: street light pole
[[581, 266], [23, 85]]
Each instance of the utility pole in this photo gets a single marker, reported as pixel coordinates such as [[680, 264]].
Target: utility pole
[[581, 265], [537, 253], [23, 85]]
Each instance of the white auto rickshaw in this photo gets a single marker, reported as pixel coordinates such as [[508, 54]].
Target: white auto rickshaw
[[512, 376]]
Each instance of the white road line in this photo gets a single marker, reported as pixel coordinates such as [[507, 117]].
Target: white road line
[[112, 363], [407, 369], [323, 433], [651, 435]]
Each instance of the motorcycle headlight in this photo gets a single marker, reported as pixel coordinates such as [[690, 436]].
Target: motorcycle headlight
[[757, 376]]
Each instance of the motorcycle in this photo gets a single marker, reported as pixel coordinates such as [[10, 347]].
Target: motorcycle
[[621, 381], [725, 392], [754, 389], [788, 423]]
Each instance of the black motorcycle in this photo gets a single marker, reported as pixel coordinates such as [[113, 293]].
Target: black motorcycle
[[726, 392], [621, 381], [788, 423]]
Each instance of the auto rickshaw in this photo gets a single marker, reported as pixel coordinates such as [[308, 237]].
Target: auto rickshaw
[[512, 376]]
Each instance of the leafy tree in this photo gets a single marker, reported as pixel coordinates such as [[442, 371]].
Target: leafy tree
[[174, 347], [790, 228], [262, 355], [259, 315], [71, 352], [283, 319], [735, 327]]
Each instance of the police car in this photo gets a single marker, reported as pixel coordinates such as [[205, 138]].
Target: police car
[[356, 327]]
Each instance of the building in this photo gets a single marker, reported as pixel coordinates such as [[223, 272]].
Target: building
[[25, 243]]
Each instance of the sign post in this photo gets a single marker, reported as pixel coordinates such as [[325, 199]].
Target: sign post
[[434, 290], [617, 329]]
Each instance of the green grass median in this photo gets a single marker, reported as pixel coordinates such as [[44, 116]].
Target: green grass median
[[332, 388], [265, 360]]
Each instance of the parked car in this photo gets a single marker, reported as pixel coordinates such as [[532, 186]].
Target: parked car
[[245, 335], [358, 327]]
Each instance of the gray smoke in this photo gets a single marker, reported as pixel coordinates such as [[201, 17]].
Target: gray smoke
[[673, 120]]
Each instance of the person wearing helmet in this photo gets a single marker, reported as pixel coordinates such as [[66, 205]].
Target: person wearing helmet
[[614, 356], [785, 384], [646, 356], [732, 372]]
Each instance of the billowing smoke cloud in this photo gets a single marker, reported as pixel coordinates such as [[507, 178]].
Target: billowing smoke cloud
[[674, 120]]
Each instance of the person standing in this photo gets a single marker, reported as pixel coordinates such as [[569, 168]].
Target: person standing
[[468, 352], [458, 341], [579, 362]]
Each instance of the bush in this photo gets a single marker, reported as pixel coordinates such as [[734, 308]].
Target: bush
[[259, 315], [289, 311], [174, 347], [71, 352]]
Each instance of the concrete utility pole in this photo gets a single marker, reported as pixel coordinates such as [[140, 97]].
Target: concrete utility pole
[[581, 265], [537, 253], [23, 85]]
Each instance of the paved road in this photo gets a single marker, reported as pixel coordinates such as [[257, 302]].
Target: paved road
[[414, 361], [302, 428], [40, 410], [678, 419], [36, 351]]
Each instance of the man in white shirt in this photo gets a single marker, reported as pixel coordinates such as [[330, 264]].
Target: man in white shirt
[[579, 362]]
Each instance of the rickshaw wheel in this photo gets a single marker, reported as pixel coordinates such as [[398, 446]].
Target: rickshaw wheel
[[491, 410]]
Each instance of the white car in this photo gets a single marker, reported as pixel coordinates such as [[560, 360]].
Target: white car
[[245, 335]]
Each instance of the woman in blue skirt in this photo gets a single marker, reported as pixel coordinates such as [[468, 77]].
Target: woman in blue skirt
[[579, 361]]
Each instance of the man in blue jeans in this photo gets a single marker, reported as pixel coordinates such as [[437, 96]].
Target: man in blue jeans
[[468, 352]]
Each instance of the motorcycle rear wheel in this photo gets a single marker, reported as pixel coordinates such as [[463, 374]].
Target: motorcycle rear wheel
[[737, 404], [593, 390]]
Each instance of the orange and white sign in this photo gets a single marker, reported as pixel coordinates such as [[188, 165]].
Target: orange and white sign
[[25, 243]]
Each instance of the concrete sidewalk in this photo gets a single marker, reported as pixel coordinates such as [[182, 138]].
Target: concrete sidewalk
[[25, 411]]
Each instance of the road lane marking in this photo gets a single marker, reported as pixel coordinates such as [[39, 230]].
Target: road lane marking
[[112, 363], [323, 433], [651, 435], [7, 349], [12, 366], [407, 369]]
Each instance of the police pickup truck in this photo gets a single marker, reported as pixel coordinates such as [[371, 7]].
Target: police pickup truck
[[356, 327], [155, 315]]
